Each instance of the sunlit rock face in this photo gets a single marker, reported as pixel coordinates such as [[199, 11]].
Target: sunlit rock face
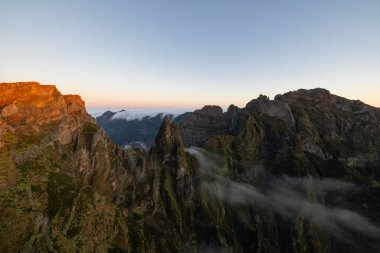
[[32, 106], [31, 103], [25, 104]]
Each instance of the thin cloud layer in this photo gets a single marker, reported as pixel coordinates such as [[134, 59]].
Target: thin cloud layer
[[139, 114]]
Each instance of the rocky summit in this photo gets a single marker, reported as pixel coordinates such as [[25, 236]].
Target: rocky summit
[[299, 173]]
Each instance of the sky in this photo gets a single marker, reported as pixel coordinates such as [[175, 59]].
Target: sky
[[185, 54]]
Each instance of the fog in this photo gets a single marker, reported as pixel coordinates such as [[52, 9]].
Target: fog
[[288, 197]]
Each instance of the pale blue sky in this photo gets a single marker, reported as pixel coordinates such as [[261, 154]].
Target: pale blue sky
[[174, 53]]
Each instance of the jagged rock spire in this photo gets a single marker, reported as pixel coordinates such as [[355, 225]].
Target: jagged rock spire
[[169, 144]]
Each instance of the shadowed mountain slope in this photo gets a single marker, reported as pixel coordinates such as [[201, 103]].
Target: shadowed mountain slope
[[296, 174]]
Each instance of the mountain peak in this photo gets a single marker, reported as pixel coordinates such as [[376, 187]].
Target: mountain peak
[[317, 94], [211, 109], [274, 108]]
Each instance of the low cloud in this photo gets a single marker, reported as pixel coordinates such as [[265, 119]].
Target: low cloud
[[138, 145], [288, 197], [139, 114]]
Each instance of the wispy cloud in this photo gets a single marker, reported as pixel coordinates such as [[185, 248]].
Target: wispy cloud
[[288, 197]]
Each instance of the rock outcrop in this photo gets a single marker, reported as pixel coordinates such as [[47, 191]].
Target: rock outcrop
[[273, 108], [202, 124], [30, 105]]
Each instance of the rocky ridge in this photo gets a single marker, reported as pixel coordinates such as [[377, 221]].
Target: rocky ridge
[[313, 121], [67, 188]]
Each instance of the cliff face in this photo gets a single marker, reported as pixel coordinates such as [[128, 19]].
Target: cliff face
[[53, 156], [32, 107], [30, 104], [333, 127], [64, 187], [34, 117]]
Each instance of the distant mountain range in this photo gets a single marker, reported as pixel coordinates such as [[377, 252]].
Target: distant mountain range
[[134, 128], [299, 173]]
